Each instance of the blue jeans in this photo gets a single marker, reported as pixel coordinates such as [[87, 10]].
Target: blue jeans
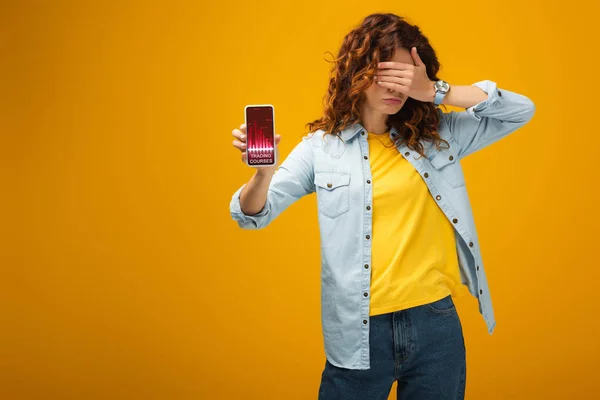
[[421, 347]]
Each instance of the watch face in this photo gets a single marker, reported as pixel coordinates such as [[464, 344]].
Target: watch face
[[442, 86]]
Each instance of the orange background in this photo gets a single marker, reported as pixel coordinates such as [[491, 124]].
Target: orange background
[[122, 273]]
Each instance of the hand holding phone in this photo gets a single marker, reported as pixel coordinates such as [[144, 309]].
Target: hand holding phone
[[239, 143]]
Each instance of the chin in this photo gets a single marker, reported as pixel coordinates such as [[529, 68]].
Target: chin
[[392, 110]]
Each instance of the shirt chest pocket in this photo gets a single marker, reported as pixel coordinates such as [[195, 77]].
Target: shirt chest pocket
[[446, 162], [333, 193]]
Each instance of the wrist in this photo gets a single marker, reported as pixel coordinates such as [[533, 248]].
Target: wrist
[[265, 172], [432, 91]]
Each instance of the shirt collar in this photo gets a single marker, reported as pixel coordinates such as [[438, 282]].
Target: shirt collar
[[357, 128]]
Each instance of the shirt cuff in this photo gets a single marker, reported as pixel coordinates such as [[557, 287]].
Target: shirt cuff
[[492, 91]]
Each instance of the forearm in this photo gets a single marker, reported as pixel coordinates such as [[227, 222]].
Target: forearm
[[254, 194], [499, 113], [464, 96]]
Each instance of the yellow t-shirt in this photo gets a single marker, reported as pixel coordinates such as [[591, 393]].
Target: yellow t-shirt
[[414, 259]]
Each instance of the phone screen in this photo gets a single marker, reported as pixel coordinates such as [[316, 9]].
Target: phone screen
[[260, 140]]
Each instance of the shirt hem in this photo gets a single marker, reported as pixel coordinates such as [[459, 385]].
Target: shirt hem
[[411, 304]]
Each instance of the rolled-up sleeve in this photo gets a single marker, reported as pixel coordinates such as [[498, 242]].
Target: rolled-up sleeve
[[293, 179], [244, 220], [502, 113]]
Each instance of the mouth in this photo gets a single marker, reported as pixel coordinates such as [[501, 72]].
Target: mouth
[[393, 100]]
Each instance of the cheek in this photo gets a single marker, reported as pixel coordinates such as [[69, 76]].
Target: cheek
[[373, 92]]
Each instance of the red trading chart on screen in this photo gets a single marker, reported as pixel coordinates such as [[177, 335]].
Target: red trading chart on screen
[[260, 143]]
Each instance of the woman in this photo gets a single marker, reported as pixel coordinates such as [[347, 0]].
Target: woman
[[398, 238]]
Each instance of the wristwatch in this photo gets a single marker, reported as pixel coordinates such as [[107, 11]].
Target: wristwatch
[[441, 88]]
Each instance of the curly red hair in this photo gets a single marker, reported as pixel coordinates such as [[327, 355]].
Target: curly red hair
[[352, 73]]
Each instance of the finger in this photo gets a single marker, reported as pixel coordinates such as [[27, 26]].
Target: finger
[[416, 57], [239, 145], [277, 139], [394, 72], [239, 135], [393, 65], [244, 156], [400, 77], [395, 79], [243, 128], [394, 86]]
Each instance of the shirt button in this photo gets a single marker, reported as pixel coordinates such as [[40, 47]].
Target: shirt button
[[438, 197], [451, 158], [368, 181], [368, 237], [368, 207], [407, 154], [362, 133], [480, 291], [364, 321], [366, 266], [426, 175], [478, 268], [365, 294], [455, 220], [499, 93], [329, 185], [366, 158], [470, 244]]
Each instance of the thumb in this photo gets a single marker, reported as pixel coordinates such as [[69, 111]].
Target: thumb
[[277, 139], [416, 57]]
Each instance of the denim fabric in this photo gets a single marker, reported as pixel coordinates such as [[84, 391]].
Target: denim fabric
[[340, 174], [421, 347]]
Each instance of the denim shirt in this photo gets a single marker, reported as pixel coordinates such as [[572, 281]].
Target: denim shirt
[[340, 174]]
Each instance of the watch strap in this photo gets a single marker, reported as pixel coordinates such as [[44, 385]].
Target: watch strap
[[439, 96]]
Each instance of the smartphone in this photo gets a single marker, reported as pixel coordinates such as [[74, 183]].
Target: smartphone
[[260, 135]]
